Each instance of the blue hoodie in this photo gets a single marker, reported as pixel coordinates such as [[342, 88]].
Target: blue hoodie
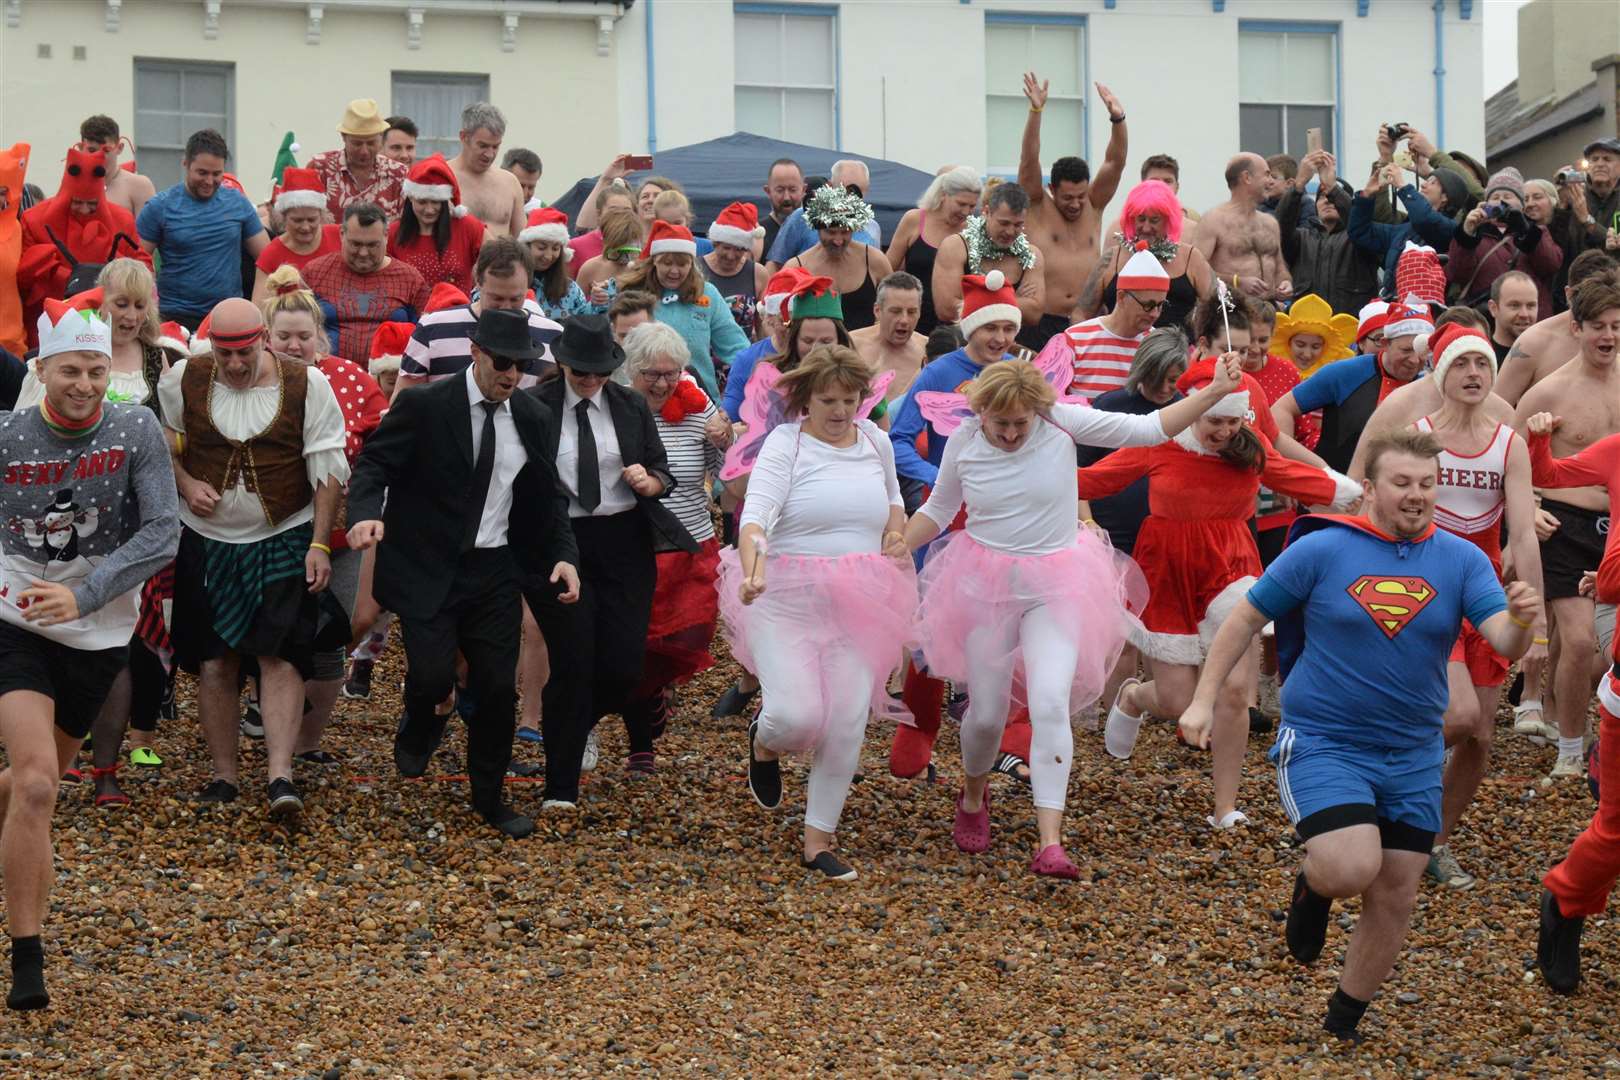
[[1424, 224]]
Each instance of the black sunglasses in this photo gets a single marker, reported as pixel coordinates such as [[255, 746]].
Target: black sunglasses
[[502, 363]]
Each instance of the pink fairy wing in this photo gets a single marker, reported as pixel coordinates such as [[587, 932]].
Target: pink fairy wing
[[879, 386], [1056, 365], [763, 409], [943, 409]]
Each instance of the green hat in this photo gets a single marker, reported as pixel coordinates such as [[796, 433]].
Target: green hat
[[815, 298], [284, 158]]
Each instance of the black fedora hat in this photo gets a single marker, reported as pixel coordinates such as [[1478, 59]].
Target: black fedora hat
[[587, 346], [505, 332]]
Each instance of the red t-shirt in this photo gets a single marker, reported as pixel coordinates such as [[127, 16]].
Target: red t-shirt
[[277, 254], [454, 264]]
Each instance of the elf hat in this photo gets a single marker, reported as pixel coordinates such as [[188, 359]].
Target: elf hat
[[1373, 317], [1199, 375], [990, 299], [284, 159], [815, 298], [444, 297], [780, 287], [432, 178], [301, 189], [1408, 318], [547, 224], [1418, 274], [388, 346], [1311, 314], [667, 238], [1452, 341], [63, 329], [1143, 272], [737, 225]]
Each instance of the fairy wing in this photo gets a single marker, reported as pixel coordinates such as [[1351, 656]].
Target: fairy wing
[[763, 409], [1055, 362], [880, 385], [943, 409]]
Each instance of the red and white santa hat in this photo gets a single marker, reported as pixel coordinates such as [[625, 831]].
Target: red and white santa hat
[[1408, 318], [300, 189], [667, 238], [445, 296], [1374, 316], [737, 225], [433, 178], [1236, 404], [64, 328], [547, 224], [388, 346], [1452, 341], [1143, 272], [171, 335], [988, 299]]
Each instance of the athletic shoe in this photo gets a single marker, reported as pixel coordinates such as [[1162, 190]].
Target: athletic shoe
[[764, 777], [1529, 720], [1558, 946], [529, 735], [252, 721], [358, 685], [592, 754], [284, 798], [1229, 820], [558, 804], [972, 829], [957, 704], [1568, 767], [1051, 861], [830, 866], [167, 708], [218, 791], [1443, 868], [1306, 929], [1270, 695], [145, 757]]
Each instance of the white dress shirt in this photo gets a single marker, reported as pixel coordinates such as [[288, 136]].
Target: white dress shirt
[[510, 457], [616, 494]]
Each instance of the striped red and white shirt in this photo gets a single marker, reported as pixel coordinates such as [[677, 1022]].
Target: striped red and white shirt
[[1102, 359]]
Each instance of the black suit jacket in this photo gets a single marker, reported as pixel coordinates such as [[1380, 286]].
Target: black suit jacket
[[639, 444], [422, 456]]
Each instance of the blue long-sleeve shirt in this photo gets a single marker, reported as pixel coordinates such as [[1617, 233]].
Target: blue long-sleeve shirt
[[945, 374], [1423, 223], [742, 366]]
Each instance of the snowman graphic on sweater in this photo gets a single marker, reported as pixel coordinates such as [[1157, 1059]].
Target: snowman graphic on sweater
[[57, 532]]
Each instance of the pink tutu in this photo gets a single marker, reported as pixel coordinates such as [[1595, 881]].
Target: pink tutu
[[1094, 590], [863, 603]]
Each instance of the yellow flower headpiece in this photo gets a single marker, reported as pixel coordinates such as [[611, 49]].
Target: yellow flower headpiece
[[1310, 314]]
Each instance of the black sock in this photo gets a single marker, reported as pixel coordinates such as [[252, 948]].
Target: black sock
[[27, 974], [1344, 1013]]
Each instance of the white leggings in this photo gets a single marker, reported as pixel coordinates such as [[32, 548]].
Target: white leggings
[[1049, 660], [793, 711]]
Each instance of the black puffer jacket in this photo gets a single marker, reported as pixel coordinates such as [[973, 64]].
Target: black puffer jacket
[[1324, 261]]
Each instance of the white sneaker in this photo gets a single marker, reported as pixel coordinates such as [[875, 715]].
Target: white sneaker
[[1229, 820], [1568, 768], [587, 763], [1529, 720]]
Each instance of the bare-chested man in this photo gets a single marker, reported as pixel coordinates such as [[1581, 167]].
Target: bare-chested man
[[493, 195], [893, 344], [124, 188], [1243, 245], [994, 241], [1584, 396], [1065, 216], [1548, 345], [855, 268]]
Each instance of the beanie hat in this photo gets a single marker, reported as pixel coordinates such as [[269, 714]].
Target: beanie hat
[[814, 297], [1143, 272], [1373, 317], [1452, 341], [667, 238], [779, 288], [1454, 184], [1509, 180], [1310, 314], [547, 224], [737, 225], [1199, 375], [388, 346], [300, 189], [1419, 276], [989, 298], [432, 178], [284, 159], [62, 328], [1408, 318], [445, 296]]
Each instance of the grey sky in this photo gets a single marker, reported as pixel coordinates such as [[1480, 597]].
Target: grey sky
[[1501, 43]]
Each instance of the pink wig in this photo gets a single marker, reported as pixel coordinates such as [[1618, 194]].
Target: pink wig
[[1152, 197]]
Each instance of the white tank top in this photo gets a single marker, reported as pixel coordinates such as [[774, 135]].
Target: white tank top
[[1472, 489]]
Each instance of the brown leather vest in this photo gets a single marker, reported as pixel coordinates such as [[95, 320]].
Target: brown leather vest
[[271, 463]]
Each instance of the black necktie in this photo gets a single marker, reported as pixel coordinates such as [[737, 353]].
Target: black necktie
[[482, 472], [590, 482]]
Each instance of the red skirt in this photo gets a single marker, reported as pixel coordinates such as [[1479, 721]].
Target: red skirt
[[685, 608], [1191, 567]]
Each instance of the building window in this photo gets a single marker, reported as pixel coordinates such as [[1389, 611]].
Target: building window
[[1055, 51], [1287, 84], [173, 100], [787, 73], [435, 102]]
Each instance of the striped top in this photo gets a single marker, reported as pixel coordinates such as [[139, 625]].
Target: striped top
[[1102, 359], [439, 347], [691, 454]]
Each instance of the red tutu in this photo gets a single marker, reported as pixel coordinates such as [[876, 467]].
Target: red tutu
[[684, 609], [1094, 590]]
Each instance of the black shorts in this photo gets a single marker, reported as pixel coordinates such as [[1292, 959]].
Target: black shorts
[[77, 680], [1574, 549], [1034, 338]]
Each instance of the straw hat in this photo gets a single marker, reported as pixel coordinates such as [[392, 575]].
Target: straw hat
[[362, 119]]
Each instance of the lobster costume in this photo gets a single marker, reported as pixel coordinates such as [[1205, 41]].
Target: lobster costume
[[13, 168]]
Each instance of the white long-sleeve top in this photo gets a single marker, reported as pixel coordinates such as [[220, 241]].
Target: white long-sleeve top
[[1027, 501], [821, 500]]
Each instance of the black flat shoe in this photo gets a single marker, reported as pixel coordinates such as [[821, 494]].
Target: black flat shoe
[[1558, 946], [764, 777], [734, 702], [218, 791], [412, 764], [285, 802], [509, 822], [830, 866], [318, 757]]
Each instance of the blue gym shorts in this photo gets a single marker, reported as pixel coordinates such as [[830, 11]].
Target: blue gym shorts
[[1327, 783]]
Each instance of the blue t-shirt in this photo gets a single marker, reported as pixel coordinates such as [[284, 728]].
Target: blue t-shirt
[[199, 243], [742, 366], [1334, 384], [796, 237], [945, 374], [1368, 625]]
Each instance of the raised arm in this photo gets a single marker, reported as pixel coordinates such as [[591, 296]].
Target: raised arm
[[1105, 181], [1029, 153], [587, 219]]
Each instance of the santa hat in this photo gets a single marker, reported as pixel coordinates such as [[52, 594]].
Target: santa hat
[[1408, 318], [779, 288], [1418, 273], [433, 178], [667, 238], [388, 346], [176, 338], [1452, 341], [990, 299], [300, 189], [202, 341], [1373, 317], [547, 224], [229, 180], [444, 297], [1143, 272], [62, 328], [1199, 375], [814, 297], [737, 225]]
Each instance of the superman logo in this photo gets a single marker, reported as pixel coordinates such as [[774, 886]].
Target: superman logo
[[1392, 602]]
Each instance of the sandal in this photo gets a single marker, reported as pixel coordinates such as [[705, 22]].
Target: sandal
[[1009, 764], [74, 774], [145, 757], [115, 797], [1538, 729]]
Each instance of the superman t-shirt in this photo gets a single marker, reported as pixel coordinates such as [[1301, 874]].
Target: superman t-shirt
[[1368, 624]]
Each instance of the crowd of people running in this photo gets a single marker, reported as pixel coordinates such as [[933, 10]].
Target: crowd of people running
[[1329, 464]]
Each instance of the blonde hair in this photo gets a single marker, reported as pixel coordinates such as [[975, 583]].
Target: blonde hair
[[990, 185], [665, 201], [130, 277], [825, 366], [290, 296], [1008, 386]]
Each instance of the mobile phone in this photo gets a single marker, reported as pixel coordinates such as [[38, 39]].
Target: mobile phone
[[1313, 140], [638, 162]]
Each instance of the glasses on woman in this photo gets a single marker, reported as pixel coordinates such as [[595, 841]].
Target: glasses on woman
[[655, 378]]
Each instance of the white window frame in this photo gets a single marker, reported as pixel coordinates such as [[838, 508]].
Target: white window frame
[[159, 64], [1033, 24], [1287, 30], [425, 140], [782, 12]]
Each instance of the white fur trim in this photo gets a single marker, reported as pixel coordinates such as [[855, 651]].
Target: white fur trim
[[1190, 649], [1346, 491], [381, 364], [1189, 442], [673, 246], [772, 304], [300, 200], [730, 234], [412, 190], [173, 344], [557, 234], [459, 211], [991, 313], [1235, 404]]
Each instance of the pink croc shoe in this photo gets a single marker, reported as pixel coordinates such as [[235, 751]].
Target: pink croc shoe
[[1052, 862], [972, 831]]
